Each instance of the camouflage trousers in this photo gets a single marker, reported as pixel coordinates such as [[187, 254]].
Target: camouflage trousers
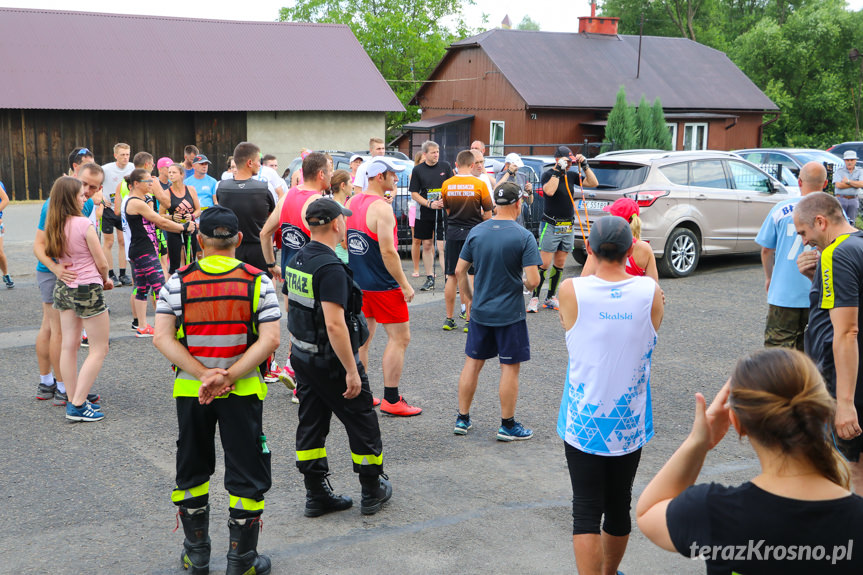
[[785, 326], [85, 300]]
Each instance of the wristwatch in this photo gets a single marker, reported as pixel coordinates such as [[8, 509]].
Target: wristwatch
[[272, 265]]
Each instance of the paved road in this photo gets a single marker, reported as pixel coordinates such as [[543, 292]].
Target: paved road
[[95, 497]]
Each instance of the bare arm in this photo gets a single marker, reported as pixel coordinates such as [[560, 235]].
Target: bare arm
[[270, 227], [550, 187], [845, 355], [384, 223], [340, 339], [590, 180], [196, 203], [58, 269], [568, 304], [531, 277], [4, 200], [768, 257], [682, 469], [461, 268], [658, 308], [217, 382], [144, 209]]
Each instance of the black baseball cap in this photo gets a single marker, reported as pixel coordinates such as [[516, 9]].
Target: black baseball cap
[[610, 231], [219, 217], [562, 152], [324, 211], [507, 193], [201, 159]]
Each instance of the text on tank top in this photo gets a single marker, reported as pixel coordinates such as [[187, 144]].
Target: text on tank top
[[294, 231], [606, 406], [183, 205], [364, 251]]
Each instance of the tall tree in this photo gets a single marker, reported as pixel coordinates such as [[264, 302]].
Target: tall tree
[[644, 122], [621, 129], [527, 23], [663, 135], [404, 38]]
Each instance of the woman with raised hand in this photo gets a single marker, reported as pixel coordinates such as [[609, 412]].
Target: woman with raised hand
[[71, 240], [138, 215], [797, 515]]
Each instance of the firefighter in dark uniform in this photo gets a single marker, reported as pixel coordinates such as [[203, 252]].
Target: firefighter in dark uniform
[[327, 328], [217, 321]]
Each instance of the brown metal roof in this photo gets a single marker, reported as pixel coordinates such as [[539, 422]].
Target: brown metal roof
[[88, 61], [437, 121], [569, 70]]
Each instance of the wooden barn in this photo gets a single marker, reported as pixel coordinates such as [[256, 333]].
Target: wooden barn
[[85, 79], [526, 91]]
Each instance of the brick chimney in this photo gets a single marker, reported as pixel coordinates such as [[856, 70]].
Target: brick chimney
[[597, 25]]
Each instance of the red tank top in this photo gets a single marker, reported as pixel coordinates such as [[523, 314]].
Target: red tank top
[[294, 231], [632, 267], [364, 249]]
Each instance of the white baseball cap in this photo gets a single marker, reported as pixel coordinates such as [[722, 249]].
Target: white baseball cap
[[514, 158], [850, 155], [381, 164]]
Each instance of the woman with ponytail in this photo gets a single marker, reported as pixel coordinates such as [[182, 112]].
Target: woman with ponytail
[[642, 262], [797, 515]]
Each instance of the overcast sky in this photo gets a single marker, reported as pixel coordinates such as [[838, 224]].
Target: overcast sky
[[552, 15]]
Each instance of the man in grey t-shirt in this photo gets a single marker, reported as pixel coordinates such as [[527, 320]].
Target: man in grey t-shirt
[[848, 180], [500, 251]]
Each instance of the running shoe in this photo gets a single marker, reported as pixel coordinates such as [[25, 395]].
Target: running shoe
[[124, 280], [551, 303], [399, 408], [44, 392], [60, 399], [286, 378], [83, 413], [7, 279], [463, 314], [294, 398], [84, 341], [146, 331], [517, 432], [462, 426], [376, 401], [429, 284], [449, 324], [273, 371], [533, 305], [135, 324]]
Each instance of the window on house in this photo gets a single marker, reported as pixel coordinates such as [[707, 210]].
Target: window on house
[[495, 139], [672, 128], [695, 136]]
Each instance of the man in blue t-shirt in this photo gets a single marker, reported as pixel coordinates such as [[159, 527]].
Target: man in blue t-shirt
[[48, 340], [787, 289], [204, 184], [500, 250]]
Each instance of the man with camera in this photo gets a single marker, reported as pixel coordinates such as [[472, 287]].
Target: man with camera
[[556, 233], [510, 173]]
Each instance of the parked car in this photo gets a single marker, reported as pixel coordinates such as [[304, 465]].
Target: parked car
[[840, 149], [770, 160], [692, 204]]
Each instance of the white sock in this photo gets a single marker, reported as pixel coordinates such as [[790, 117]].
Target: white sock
[[60, 387], [47, 379]]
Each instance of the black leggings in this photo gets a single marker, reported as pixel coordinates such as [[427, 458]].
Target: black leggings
[[601, 485], [175, 243]]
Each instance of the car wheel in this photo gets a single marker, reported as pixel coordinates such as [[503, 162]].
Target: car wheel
[[579, 255], [682, 251]]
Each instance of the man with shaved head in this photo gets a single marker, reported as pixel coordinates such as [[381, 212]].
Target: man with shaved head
[[835, 304], [787, 289]]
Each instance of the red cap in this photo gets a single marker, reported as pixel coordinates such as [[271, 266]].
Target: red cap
[[623, 207]]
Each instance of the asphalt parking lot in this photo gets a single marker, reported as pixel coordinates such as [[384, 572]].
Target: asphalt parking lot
[[96, 497]]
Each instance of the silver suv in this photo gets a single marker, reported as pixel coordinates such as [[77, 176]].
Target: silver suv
[[692, 203]]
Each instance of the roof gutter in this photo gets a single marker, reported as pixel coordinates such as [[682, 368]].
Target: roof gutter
[[765, 124]]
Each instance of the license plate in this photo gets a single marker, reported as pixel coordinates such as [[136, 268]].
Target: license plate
[[591, 204]]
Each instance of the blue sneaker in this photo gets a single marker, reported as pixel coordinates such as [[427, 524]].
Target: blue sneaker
[[83, 413], [517, 432], [462, 426]]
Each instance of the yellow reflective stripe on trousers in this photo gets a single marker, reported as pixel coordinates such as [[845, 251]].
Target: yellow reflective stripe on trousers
[[309, 454], [828, 289], [235, 502], [182, 494], [367, 459]]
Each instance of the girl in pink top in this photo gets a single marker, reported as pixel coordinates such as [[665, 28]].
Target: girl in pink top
[[71, 239]]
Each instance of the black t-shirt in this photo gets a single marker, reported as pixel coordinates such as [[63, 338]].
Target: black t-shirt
[[559, 206], [252, 202], [838, 283], [425, 179], [331, 283], [750, 531]]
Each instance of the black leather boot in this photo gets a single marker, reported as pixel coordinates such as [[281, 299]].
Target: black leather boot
[[320, 498], [196, 545], [377, 490], [243, 557]]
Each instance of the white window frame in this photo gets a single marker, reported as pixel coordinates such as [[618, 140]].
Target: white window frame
[[673, 128], [496, 148], [694, 126]]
